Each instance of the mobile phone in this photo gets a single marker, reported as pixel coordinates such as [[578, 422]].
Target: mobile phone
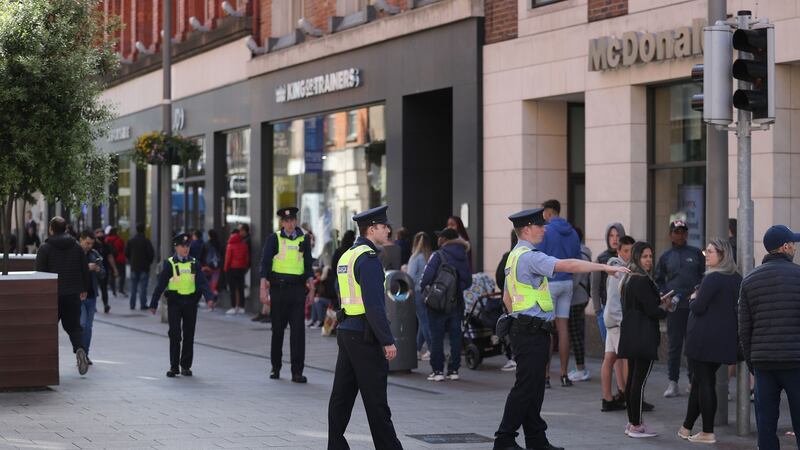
[[668, 294]]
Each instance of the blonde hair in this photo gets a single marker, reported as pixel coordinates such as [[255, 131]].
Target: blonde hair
[[726, 265], [422, 244]]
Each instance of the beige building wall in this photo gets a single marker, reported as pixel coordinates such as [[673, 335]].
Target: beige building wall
[[549, 61]]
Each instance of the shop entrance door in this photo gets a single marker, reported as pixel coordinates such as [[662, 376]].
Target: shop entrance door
[[427, 160]]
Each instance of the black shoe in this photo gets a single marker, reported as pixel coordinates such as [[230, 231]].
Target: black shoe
[[612, 405], [565, 381], [89, 361], [106, 309], [512, 447], [186, 372], [171, 373], [265, 319], [299, 379], [144, 308], [257, 318], [82, 360], [547, 447], [275, 374], [647, 407], [547, 382]]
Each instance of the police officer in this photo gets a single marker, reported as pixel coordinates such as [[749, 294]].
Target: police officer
[[526, 295], [184, 282], [285, 270], [366, 344]]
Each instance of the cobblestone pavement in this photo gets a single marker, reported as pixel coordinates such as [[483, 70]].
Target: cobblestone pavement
[[125, 401]]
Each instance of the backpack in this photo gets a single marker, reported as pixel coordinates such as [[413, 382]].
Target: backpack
[[212, 257], [440, 296]]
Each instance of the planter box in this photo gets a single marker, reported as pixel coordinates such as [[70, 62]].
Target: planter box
[[28, 329], [19, 263]]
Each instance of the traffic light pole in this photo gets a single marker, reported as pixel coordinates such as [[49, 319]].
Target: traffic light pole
[[744, 237], [717, 202]]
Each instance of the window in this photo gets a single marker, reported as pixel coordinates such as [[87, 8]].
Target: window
[[188, 186], [537, 3], [285, 14], [352, 125], [347, 7], [122, 206], [677, 149], [237, 157], [326, 179], [576, 157]]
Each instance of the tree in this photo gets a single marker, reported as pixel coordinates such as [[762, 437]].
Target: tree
[[53, 57]]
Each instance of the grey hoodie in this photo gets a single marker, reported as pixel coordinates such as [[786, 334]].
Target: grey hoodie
[[599, 278], [612, 314]]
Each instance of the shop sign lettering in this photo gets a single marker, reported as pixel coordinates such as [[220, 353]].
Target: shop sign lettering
[[319, 85], [633, 47]]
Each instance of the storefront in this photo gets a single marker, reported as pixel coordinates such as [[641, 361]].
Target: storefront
[[397, 122], [597, 114]]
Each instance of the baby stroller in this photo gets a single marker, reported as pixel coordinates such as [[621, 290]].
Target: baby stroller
[[480, 321]]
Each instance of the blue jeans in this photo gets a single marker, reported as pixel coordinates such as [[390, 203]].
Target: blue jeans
[[139, 282], [88, 308], [424, 328], [601, 323], [319, 310], [769, 384], [440, 324]]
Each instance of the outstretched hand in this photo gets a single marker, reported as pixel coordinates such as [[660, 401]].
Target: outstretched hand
[[616, 271]]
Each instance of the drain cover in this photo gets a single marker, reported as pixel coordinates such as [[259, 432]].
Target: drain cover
[[453, 438]]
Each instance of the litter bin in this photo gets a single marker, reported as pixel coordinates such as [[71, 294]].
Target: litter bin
[[402, 317]]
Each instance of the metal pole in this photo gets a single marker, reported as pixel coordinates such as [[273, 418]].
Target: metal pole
[[717, 204], [744, 239], [165, 172]]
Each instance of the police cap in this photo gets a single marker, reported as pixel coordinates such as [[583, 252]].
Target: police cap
[[372, 216], [181, 239], [528, 217], [288, 213]]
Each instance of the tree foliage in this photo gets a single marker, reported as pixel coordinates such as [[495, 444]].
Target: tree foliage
[[53, 56]]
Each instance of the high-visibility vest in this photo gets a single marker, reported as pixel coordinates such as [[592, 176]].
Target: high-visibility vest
[[349, 289], [182, 280], [525, 296], [289, 259]]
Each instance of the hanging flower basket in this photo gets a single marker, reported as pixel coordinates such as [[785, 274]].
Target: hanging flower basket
[[157, 148]]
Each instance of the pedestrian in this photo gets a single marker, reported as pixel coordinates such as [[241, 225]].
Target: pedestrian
[[32, 241], [196, 246], [500, 278], [178, 280], [391, 254], [453, 253], [711, 336], [679, 269], [211, 260], [455, 223], [422, 249], [560, 241], [109, 266], [97, 273], [118, 250], [366, 344], [404, 242], [527, 297], [769, 324], [325, 285], [581, 292], [237, 263], [60, 254], [285, 270], [612, 318], [642, 308], [614, 232], [140, 253]]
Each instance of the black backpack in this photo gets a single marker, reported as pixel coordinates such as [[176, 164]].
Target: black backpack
[[440, 296]]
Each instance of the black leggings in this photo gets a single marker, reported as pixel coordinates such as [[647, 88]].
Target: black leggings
[[703, 396], [638, 371], [236, 286], [577, 332]]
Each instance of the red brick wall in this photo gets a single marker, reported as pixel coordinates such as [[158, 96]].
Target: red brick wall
[[605, 9], [500, 20], [318, 11]]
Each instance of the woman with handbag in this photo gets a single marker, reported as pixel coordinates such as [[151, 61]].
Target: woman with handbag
[[642, 308], [711, 336]]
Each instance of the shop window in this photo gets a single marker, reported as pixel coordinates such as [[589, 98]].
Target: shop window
[[677, 163], [121, 199], [285, 15], [188, 186], [538, 3], [327, 179], [352, 126], [237, 157], [576, 156], [347, 7]]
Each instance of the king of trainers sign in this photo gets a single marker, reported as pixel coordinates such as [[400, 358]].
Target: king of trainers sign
[[322, 84], [634, 47]]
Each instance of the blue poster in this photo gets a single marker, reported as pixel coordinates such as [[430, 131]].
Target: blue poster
[[314, 138]]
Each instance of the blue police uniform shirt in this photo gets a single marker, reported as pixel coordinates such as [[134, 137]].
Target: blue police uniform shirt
[[201, 283], [532, 267]]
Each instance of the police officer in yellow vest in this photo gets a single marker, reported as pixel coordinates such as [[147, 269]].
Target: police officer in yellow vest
[[366, 344], [181, 282], [285, 270], [525, 294]]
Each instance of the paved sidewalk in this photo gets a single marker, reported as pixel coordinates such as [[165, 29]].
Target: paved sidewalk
[[125, 401]]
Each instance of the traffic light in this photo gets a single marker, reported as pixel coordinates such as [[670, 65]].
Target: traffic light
[[715, 72], [757, 66]]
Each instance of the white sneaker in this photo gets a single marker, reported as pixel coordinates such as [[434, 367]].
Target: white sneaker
[[672, 390], [239, 310], [510, 366], [579, 375], [231, 311], [436, 376], [452, 376], [642, 431], [426, 356]]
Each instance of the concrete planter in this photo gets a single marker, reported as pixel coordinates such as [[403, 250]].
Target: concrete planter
[[28, 330], [20, 263]]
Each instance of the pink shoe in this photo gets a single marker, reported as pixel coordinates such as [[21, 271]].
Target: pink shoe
[[642, 431]]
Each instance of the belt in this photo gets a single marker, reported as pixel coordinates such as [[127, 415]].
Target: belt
[[532, 325], [280, 281]]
